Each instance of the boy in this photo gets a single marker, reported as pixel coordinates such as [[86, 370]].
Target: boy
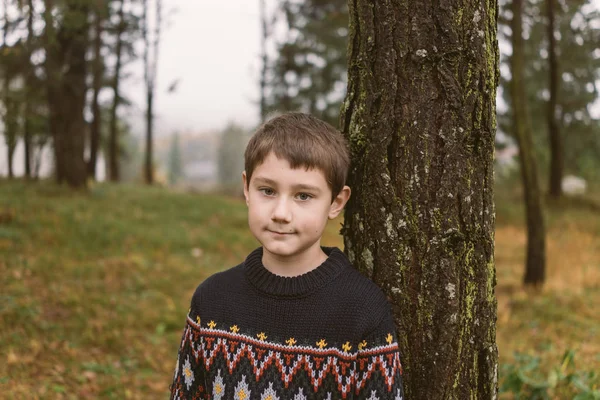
[[294, 320]]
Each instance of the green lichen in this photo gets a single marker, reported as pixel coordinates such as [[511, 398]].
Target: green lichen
[[491, 281], [458, 16]]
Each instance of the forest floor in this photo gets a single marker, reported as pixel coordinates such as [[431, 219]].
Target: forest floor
[[94, 287]]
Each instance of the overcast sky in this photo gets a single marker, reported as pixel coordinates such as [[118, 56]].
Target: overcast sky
[[213, 49]]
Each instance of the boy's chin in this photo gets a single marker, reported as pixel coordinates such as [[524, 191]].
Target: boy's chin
[[280, 249]]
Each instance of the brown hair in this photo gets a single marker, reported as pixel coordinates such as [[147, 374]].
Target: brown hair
[[304, 141]]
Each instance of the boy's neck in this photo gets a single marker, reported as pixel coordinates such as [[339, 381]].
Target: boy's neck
[[295, 265]]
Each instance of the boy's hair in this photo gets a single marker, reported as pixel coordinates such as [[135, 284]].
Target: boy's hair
[[304, 141]]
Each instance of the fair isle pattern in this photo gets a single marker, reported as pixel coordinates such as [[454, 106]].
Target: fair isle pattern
[[208, 343], [388, 364], [242, 392], [188, 374], [218, 387], [269, 393], [300, 395]]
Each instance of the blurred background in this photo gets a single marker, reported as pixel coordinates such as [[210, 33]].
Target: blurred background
[[123, 128]]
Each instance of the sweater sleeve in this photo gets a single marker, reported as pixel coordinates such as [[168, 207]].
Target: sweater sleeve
[[378, 367], [189, 377]]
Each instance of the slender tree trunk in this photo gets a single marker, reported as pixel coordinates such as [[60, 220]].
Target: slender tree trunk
[[98, 68], [11, 126], [27, 130], [149, 171], [27, 138], [10, 107], [263, 56], [536, 254], [420, 118], [556, 142], [37, 156], [150, 65], [114, 140], [10, 150], [53, 65]]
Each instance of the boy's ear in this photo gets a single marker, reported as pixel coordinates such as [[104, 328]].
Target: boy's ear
[[339, 202], [245, 183]]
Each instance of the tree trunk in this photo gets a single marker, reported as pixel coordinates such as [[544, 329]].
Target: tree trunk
[[535, 267], [263, 57], [11, 126], [556, 142], [420, 118], [150, 64], [10, 119], [114, 140], [98, 68], [27, 133], [66, 70], [149, 172], [27, 138]]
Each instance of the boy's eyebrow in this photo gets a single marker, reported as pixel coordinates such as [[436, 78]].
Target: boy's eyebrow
[[307, 187], [300, 186], [260, 179]]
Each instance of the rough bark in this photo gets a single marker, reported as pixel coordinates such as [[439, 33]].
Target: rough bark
[[535, 266], [66, 86], [556, 142], [420, 118], [113, 148], [98, 73]]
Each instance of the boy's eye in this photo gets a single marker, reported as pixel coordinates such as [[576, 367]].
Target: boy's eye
[[304, 196], [267, 191]]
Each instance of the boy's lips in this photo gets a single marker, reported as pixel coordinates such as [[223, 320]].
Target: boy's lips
[[279, 232]]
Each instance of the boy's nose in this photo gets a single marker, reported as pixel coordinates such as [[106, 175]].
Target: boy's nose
[[282, 211]]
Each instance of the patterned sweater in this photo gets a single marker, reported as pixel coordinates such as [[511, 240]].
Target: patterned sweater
[[326, 334]]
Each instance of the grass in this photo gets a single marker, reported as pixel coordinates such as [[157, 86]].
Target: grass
[[94, 287]]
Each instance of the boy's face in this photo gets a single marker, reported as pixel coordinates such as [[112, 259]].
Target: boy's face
[[288, 208]]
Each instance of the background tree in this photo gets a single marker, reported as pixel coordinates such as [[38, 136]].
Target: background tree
[[535, 265], [309, 72], [100, 13], [31, 84], [578, 71], [264, 24], [230, 156], [151, 44], [175, 166], [35, 117], [420, 118], [10, 58], [66, 43], [113, 134], [556, 143]]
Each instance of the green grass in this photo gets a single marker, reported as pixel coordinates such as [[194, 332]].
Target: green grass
[[94, 287]]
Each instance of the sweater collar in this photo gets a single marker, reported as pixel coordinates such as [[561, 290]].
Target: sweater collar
[[267, 282]]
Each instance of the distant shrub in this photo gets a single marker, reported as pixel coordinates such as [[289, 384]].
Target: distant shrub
[[525, 380]]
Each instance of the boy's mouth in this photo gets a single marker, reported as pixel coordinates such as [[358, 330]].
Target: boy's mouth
[[279, 233]]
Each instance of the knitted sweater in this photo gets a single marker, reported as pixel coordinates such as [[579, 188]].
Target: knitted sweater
[[326, 334]]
